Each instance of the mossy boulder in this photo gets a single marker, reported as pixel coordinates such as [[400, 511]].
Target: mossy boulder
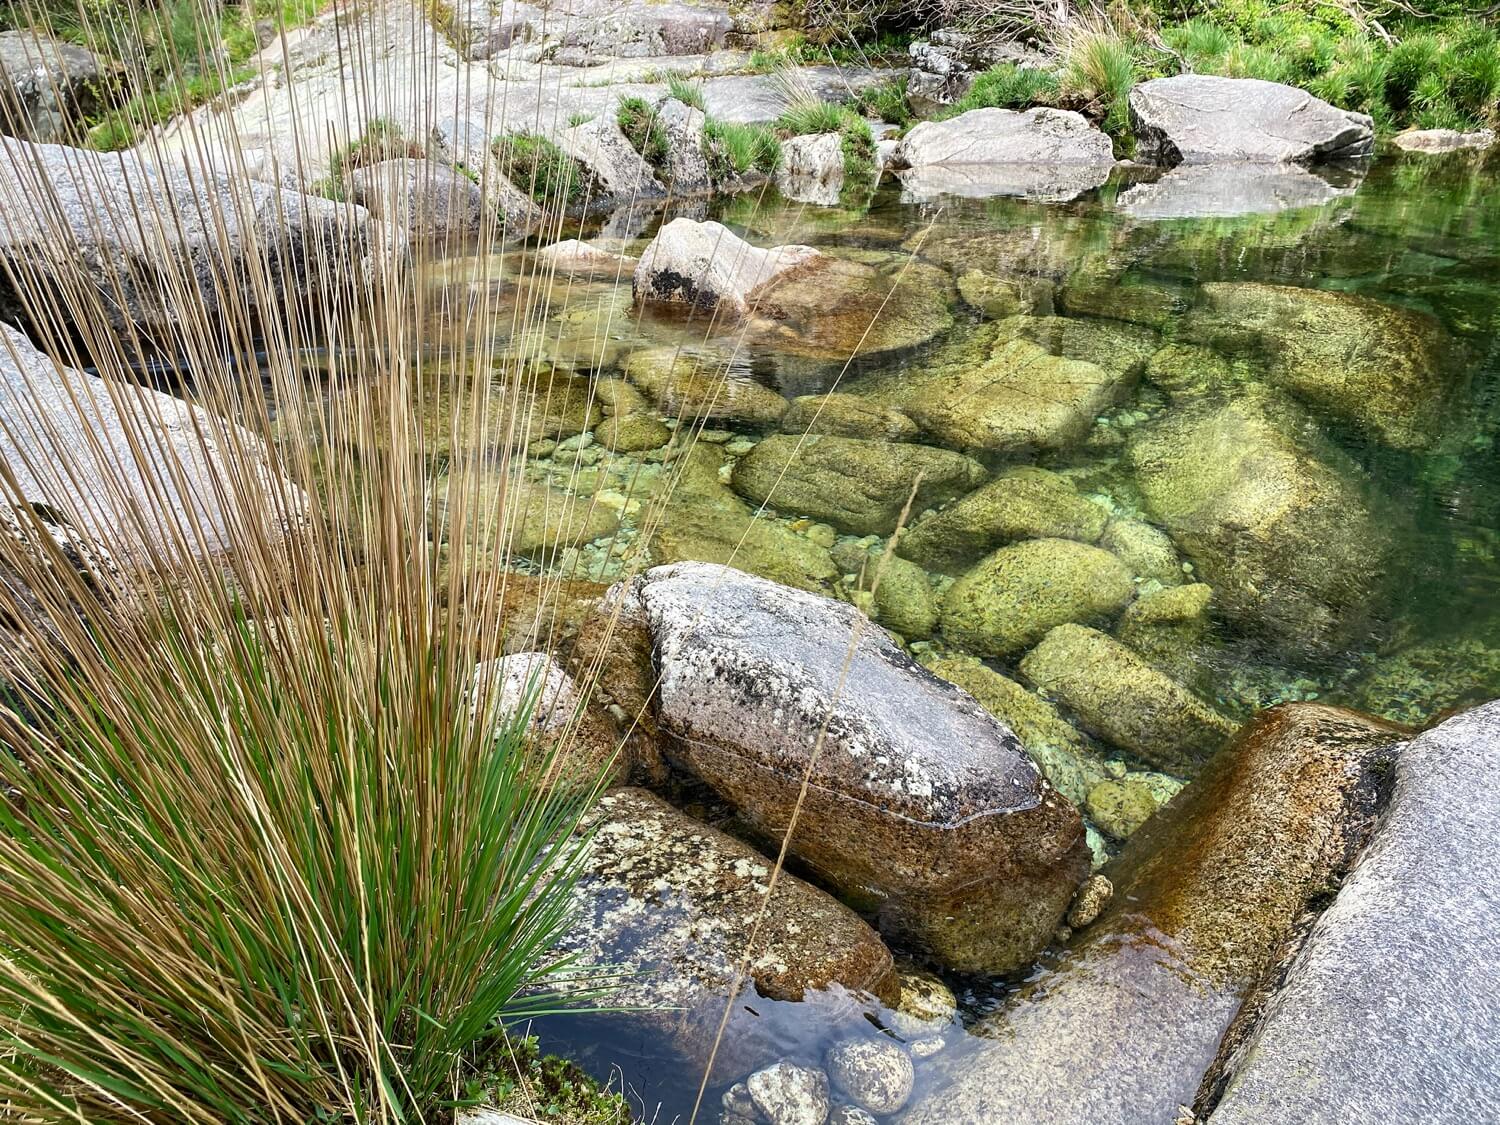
[[857, 486], [1023, 503], [1066, 756], [632, 433], [899, 595], [1119, 807], [700, 387], [1189, 371], [1169, 627], [1134, 301], [846, 415], [1146, 550], [1012, 598], [534, 520], [702, 520], [1118, 696], [1273, 516], [1118, 348], [999, 297], [1390, 371]]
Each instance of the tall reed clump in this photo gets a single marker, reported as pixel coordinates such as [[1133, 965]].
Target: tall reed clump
[[276, 843]]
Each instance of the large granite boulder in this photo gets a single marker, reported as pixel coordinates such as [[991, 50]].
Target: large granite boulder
[[710, 269], [686, 171], [469, 146], [1207, 894], [910, 799], [1208, 119], [48, 87], [1389, 1012], [675, 906], [613, 169], [146, 475], [1041, 153], [858, 485], [134, 234], [1390, 371], [1273, 516], [422, 197]]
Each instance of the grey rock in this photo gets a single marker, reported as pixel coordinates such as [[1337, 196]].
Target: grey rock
[[1389, 1013], [1207, 119], [1041, 153], [876, 1074], [167, 454], [113, 218], [687, 168], [614, 169], [786, 1093], [921, 804], [812, 169], [574, 258], [48, 87], [1199, 191], [426, 199], [467, 145], [1442, 140], [850, 1115], [707, 267]]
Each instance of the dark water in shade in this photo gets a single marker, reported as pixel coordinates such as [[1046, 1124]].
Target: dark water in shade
[[1417, 233]]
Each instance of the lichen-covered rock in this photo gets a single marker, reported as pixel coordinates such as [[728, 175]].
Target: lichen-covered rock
[[787, 1093], [1025, 503], [926, 1005], [1146, 550], [1352, 1034], [560, 720], [48, 87], [920, 805], [1010, 600], [1122, 699], [1206, 895], [1271, 514], [812, 169], [858, 486], [1389, 370], [1169, 627], [874, 1073], [846, 415], [1040, 153], [686, 172], [695, 387], [1064, 755], [1207, 119], [709, 268], [632, 433], [426, 199], [614, 169], [672, 904], [702, 520]]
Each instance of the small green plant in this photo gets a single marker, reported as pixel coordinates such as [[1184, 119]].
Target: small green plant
[[885, 100], [1100, 66], [638, 121], [539, 168], [579, 117], [814, 116], [689, 93], [1007, 86], [549, 1088], [733, 149]]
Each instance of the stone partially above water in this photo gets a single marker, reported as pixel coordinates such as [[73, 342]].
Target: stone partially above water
[[1389, 1012], [875, 1073], [921, 805], [1025, 503], [1207, 119], [1442, 140], [1041, 153], [1121, 1026], [1013, 597], [787, 1093], [858, 486], [709, 269], [1122, 699]]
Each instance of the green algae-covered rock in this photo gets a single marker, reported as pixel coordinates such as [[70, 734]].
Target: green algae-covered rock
[[999, 297], [1122, 699], [1121, 349], [846, 415], [1273, 516], [1188, 371], [1014, 596], [858, 486], [1168, 627], [1417, 681], [703, 521], [1071, 764], [687, 385], [632, 433], [1386, 369], [1138, 302], [536, 520], [1146, 550], [1120, 807], [1023, 503], [899, 595]]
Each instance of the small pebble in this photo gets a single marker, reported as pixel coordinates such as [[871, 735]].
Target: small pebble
[[576, 442], [737, 1099], [715, 437], [739, 447], [822, 535], [927, 1046], [876, 1074], [1090, 901], [926, 1003], [787, 1093]]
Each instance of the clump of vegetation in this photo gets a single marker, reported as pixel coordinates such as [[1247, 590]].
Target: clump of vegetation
[[1099, 66], [382, 139], [809, 116], [547, 1088], [539, 168], [847, 45], [639, 122], [885, 100], [689, 93], [1007, 86], [734, 149]]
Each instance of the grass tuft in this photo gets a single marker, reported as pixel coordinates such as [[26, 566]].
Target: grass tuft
[[688, 92], [538, 167], [638, 121], [734, 149]]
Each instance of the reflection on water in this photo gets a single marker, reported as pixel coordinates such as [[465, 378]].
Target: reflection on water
[[1295, 409]]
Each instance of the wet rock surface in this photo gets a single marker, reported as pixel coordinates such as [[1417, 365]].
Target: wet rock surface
[[908, 775], [876, 1074], [1205, 895], [1352, 1033]]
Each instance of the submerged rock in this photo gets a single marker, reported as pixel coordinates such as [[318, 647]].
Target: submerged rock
[[846, 415], [1389, 370], [1013, 597], [1120, 1028], [1146, 550], [874, 1073], [1122, 699], [520, 517], [897, 594], [1169, 627], [787, 1093], [573, 257], [1388, 1013], [920, 806], [1024, 503], [699, 388], [1206, 119], [1269, 512], [1040, 153], [672, 904], [1211, 191], [1110, 344], [858, 486]]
